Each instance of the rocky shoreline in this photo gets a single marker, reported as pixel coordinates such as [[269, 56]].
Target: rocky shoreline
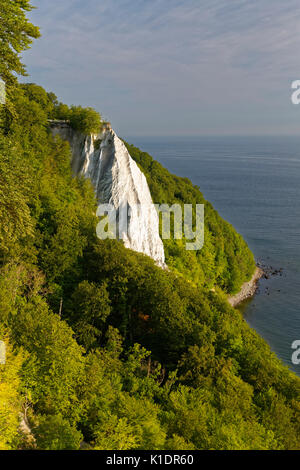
[[248, 289]]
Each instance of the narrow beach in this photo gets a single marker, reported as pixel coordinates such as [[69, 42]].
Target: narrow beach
[[248, 289]]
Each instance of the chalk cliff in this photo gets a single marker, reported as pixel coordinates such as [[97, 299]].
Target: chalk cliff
[[117, 180]]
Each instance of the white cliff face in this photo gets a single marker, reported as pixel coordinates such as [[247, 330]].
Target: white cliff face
[[118, 181]]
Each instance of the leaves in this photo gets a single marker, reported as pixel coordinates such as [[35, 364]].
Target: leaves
[[16, 35]]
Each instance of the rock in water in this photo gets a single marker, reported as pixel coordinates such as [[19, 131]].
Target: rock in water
[[117, 180]]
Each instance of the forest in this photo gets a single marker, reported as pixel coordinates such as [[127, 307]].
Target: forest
[[105, 350]]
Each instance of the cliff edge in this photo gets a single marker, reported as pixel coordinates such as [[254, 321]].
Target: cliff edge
[[104, 159]]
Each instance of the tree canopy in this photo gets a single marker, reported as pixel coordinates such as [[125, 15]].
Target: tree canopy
[[16, 35]]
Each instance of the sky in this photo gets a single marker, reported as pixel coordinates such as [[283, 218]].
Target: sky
[[173, 67]]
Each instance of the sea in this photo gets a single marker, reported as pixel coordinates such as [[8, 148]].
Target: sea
[[254, 183]]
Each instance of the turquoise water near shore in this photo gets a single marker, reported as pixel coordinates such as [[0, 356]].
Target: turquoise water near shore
[[254, 183]]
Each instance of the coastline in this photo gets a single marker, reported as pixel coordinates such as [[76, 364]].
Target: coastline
[[247, 290]]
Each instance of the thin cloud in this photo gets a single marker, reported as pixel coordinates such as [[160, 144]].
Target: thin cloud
[[203, 62]]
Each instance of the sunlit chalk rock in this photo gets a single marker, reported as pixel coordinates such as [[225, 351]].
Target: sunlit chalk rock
[[118, 181]]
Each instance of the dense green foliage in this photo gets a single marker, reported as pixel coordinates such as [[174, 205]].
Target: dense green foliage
[[84, 120], [104, 349]]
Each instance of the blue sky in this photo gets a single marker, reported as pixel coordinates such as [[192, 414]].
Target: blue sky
[[173, 67]]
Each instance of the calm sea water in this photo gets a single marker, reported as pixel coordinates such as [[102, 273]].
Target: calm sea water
[[254, 183]]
